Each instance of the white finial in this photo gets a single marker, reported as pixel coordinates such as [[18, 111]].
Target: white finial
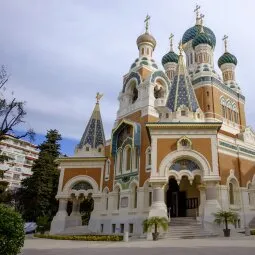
[[225, 37], [201, 22]]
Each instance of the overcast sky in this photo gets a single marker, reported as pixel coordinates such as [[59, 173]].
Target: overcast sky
[[61, 52]]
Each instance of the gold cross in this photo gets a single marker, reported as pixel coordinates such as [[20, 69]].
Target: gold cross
[[171, 41], [224, 39], [98, 97], [197, 10], [146, 21]]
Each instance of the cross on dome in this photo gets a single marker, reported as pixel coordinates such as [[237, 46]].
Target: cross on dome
[[224, 39], [197, 13], [171, 41], [146, 21]]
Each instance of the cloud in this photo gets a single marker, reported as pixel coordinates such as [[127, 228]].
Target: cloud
[[60, 53]]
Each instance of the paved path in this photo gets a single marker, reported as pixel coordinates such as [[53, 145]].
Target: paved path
[[244, 246]]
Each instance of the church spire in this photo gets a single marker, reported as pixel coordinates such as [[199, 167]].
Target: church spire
[[93, 137], [182, 93]]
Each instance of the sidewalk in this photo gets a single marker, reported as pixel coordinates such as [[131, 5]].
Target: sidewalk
[[189, 243]]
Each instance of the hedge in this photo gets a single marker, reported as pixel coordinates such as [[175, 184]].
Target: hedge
[[83, 238], [253, 232], [11, 231]]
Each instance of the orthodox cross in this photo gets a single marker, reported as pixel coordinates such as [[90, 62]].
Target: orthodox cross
[[171, 41], [224, 39], [201, 19], [146, 21], [197, 12], [98, 97]]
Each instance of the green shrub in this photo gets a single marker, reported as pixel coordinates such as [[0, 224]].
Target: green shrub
[[42, 224], [253, 232], [83, 238], [11, 231]]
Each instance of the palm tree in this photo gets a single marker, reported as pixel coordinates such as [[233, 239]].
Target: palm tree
[[155, 222], [225, 217]]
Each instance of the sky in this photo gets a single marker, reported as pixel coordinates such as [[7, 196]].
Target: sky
[[60, 53]]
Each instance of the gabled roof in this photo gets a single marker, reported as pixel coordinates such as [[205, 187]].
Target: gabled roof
[[94, 132], [181, 91]]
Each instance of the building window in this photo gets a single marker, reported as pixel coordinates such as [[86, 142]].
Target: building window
[[136, 158], [87, 148], [183, 113], [135, 197], [102, 228], [234, 196], [107, 169], [99, 149], [207, 93], [113, 228], [117, 200], [118, 162], [150, 198], [131, 228], [127, 159], [148, 158], [167, 115], [122, 228], [208, 107], [16, 177]]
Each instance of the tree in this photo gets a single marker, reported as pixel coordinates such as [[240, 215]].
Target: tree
[[37, 195], [12, 114], [156, 222], [225, 217]]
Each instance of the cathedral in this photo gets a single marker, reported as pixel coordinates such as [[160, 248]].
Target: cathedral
[[180, 146]]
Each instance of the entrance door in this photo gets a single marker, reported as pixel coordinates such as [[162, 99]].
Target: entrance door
[[176, 200]]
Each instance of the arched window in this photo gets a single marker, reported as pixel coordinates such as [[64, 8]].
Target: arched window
[[148, 158], [134, 95], [107, 168], [117, 198], [127, 159], [234, 194], [223, 107], [231, 194], [135, 195], [118, 162], [158, 92], [136, 158]]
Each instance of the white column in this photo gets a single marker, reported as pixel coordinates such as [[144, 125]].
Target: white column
[[211, 203], [58, 223], [158, 207], [202, 201], [75, 217]]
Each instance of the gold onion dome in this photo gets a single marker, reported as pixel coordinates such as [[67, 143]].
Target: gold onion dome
[[146, 38]]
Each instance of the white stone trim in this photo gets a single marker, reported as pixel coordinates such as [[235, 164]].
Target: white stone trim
[[171, 157]]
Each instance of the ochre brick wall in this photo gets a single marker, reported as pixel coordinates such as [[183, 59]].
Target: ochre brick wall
[[69, 173], [202, 145]]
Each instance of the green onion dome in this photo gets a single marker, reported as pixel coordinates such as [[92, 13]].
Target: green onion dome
[[170, 57], [202, 38], [146, 37], [192, 32], [227, 58]]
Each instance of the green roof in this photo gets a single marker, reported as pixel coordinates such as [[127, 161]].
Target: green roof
[[227, 58]]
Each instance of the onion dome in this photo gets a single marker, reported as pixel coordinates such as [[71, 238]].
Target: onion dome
[[227, 58], [192, 32], [203, 38], [171, 56], [146, 38]]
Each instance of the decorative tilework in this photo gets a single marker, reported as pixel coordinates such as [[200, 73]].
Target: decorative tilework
[[184, 164], [82, 186], [94, 132], [131, 76], [218, 83], [160, 74]]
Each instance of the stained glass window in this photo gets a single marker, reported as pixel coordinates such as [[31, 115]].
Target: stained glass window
[[184, 164], [82, 186]]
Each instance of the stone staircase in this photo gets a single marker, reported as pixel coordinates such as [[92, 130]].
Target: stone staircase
[[187, 227]]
